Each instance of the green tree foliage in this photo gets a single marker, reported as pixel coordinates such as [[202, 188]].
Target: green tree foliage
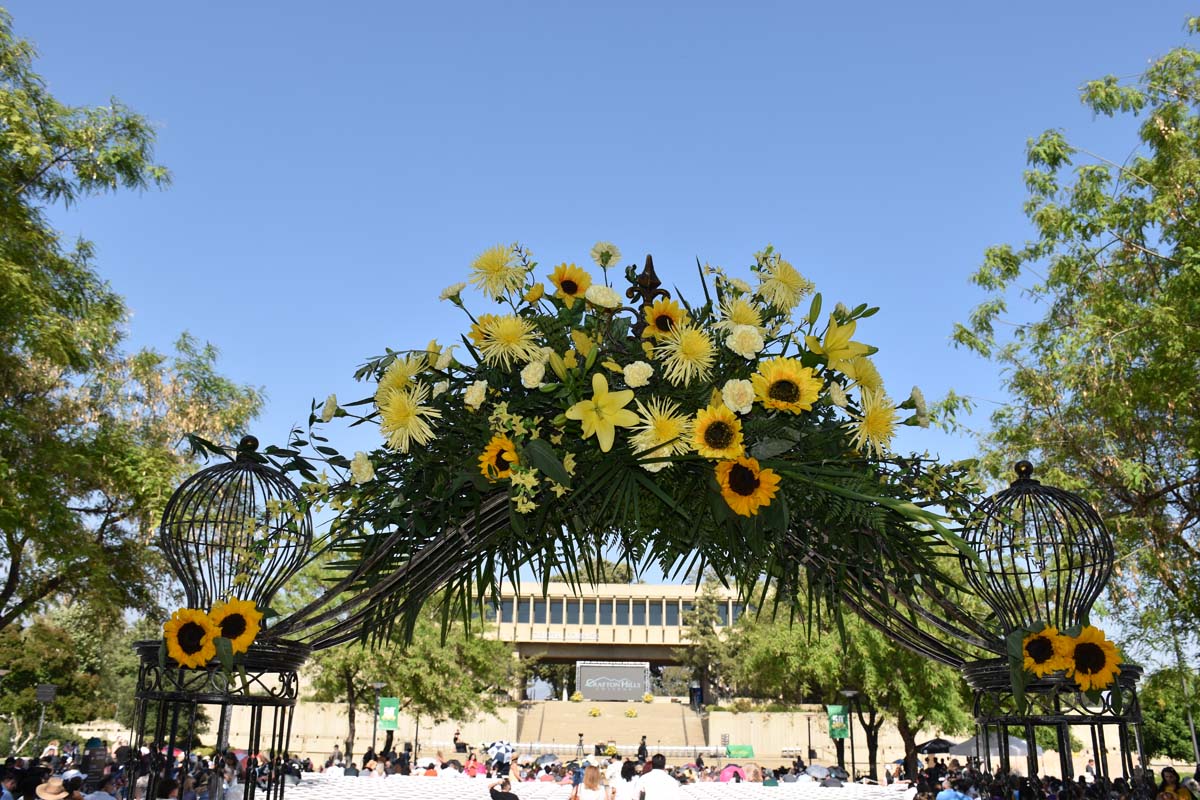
[[1165, 731], [1105, 383], [712, 650], [88, 433]]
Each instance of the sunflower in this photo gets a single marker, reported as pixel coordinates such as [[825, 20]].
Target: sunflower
[[239, 622], [1045, 651], [398, 374], [745, 486], [875, 424], [717, 433], [404, 419], [686, 353], [497, 272], [663, 317], [783, 286], [783, 384], [661, 432], [572, 283], [506, 339], [1092, 660], [499, 457], [189, 634]]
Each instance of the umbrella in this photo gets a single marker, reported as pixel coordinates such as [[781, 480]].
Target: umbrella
[[547, 758], [817, 771], [500, 750], [731, 770], [938, 745], [525, 758], [454, 762], [1017, 748]]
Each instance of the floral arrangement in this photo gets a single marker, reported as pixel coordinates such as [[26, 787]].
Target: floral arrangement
[[1082, 654], [594, 711], [647, 698], [610, 750], [192, 637], [631, 713], [577, 697]]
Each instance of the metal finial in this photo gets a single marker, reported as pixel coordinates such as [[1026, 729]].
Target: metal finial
[[645, 290], [247, 447], [1024, 470]]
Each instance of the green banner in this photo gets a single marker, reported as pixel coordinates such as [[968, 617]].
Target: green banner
[[389, 713], [739, 751], [839, 722]]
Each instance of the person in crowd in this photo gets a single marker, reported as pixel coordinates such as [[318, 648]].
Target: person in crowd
[[592, 787], [8, 783], [501, 790], [472, 766], [53, 789], [167, 788], [642, 751], [657, 784], [1170, 788], [625, 785]]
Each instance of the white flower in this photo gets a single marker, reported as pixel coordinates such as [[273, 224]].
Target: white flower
[[837, 395], [361, 469], [738, 396], [531, 376], [606, 254], [440, 387], [445, 358], [329, 410], [452, 292], [918, 399], [637, 374], [740, 285], [475, 394], [745, 340], [604, 296]]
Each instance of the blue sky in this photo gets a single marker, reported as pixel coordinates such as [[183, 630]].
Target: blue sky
[[336, 165]]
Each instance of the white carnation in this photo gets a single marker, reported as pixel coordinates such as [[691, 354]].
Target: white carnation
[[453, 291], [329, 410], [738, 396], [837, 395], [445, 358], [745, 340], [475, 395], [361, 469], [918, 398], [637, 374], [531, 376], [440, 387], [604, 296], [606, 254]]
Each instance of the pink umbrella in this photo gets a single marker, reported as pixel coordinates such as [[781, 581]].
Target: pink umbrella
[[731, 770]]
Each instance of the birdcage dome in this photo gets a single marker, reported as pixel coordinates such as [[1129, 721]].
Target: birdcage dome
[[238, 529], [1044, 554]]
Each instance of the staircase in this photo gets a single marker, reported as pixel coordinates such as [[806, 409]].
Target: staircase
[[556, 725]]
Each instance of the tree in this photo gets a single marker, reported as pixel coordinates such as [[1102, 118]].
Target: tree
[[1105, 384], [1165, 729], [88, 433], [711, 651]]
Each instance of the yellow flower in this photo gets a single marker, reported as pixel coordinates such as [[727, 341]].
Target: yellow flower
[[783, 384], [717, 433], [875, 425], [1044, 652], [604, 413], [361, 469], [687, 354], [1092, 660], [189, 634], [239, 622], [398, 374], [738, 311], [863, 372], [535, 292], [663, 317], [497, 272], [499, 457], [837, 347], [745, 486], [571, 282], [404, 418], [661, 432], [783, 286], [507, 339]]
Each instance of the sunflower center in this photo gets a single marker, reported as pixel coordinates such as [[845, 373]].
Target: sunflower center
[[501, 460], [1089, 658], [569, 286], [1040, 650], [233, 626], [784, 390], [743, 480], [718, 435], [190, 636], [664, 322]]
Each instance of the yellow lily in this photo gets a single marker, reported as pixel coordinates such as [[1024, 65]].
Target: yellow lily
[[604, 413], [837, 346]]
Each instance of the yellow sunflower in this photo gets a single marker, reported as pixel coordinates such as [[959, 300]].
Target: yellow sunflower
[[1092, 660], [661, 432], [239, 622], [717, 433], [571, 282], [687, 354], [497, 272], [783, 384], [189, 634], [1045, 652], [745, 486], [875, 424], [507, 339], [499, 457], [663, 316], [404, 419]]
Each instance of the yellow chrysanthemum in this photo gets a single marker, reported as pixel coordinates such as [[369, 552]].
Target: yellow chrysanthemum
[[604, 412], [189, 634], [738, 311], [717, 433], [571, 283], [661, 432], [837, 346], [1044, 652], [499, 457], [783, 286], [784, 384], [398, 374], [875, 424], [663, 316], [497, 272], [507, 339], [239, 622], [404, 418], [535, 292], [1092, 660], [687, 354], [745, 486], [863, 372]]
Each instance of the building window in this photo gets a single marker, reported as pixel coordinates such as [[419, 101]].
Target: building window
[[656, 612], [723, 614], [622, 612], [639, 612], [556, 612], [589, 612], [539, 612], [606, 612], [506, 611], [738, 610], [672, 613], [523, 611], [572, 612]]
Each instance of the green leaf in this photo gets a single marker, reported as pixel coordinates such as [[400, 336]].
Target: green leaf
[[162, 655], [541, 455], [225, 653]]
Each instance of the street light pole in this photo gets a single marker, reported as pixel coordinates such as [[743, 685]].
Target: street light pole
[[375, 720], [850, 694]]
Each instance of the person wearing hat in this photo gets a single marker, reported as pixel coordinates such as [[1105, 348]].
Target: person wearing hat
[[53, 789]]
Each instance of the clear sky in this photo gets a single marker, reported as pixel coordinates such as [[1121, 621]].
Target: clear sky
[[336, 164]]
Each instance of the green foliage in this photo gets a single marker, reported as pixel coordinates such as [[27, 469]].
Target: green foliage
[[1105, 383], [1165, 697], [711, 652]]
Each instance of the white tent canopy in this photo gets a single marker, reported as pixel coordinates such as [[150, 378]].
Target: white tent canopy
[[1017, 748]]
